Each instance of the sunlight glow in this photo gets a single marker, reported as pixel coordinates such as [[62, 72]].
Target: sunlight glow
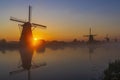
[[37, 42], [35, 39]]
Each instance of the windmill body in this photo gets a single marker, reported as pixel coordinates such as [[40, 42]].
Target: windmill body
[[26, 34], [26, 37]]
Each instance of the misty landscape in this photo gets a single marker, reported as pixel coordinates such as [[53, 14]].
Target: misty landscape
[[60, 40]]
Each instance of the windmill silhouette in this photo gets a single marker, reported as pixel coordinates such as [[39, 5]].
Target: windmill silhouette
[[26, 37], [90, 36], [107, 38]]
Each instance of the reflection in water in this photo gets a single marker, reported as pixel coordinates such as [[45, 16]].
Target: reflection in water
[[65, 62], [93, 70], [92, 48], [40, 49], [26, 54], [91, 51]]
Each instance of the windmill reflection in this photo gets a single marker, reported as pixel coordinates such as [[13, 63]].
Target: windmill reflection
[[91, 50], [26, 54]]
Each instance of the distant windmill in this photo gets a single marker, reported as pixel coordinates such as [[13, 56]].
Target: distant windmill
[[90, 36], [107, 38], [26, 34]]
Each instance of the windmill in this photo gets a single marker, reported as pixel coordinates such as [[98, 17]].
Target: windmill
[[26, 35], [107, 38], [90, 36]]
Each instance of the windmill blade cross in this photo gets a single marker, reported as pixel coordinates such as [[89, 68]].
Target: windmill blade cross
[[17, 20], [34, 24], [90, 35]]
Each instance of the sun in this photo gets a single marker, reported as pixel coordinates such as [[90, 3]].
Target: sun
[[37, 42], [35, 39]]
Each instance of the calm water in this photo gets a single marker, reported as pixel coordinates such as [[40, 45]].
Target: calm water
[[64, 63]]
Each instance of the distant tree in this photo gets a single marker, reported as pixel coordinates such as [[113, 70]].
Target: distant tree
[[2, 41]]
